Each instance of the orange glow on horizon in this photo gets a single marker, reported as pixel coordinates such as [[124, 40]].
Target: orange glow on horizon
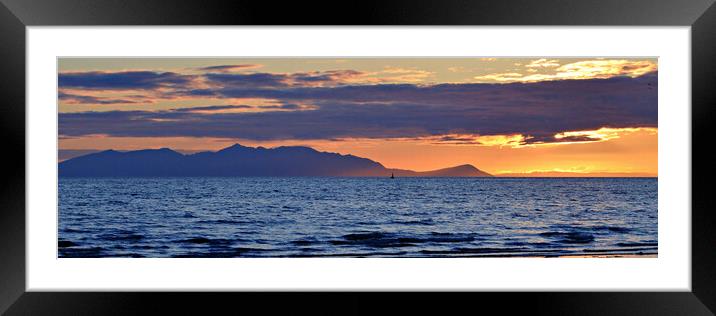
[[606, 133], [614, 151]]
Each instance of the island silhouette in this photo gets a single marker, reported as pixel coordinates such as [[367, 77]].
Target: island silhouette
[[241, 161]]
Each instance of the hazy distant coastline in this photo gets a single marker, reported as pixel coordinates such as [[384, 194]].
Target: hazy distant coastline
[[238, 160], [465, 170]]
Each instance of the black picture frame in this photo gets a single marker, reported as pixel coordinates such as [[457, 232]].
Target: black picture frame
[[16, 15]]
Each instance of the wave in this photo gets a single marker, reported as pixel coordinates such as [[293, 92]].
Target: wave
[[638, 244], [486, 250], [82, 252], [386, 239], [121, 236], [614, 229], [224, 221], [204, 240], [570, 237], [305, 242], [224, 253], [426, 222], [65, 244]]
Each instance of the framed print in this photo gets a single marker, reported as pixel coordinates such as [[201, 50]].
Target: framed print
[[547, 156]]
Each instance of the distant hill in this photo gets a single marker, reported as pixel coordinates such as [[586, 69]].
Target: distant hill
[[239, 160], [458, 171]]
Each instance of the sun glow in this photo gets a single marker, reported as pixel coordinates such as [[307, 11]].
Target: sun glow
[[605, 133], [587, 69]]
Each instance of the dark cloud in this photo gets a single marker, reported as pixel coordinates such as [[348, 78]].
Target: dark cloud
[[180, 85], [254, 80], [474, 95], [278, 80], [331, 76], [461, 139], [537, 110], [567, 139], [287, 106], [196, 93], [221, 68], [213, 108], [84, 99], [125, 80]]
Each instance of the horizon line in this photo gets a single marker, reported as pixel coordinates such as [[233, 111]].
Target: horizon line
[[529, 174]]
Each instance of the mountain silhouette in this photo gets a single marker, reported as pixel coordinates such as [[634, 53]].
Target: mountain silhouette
[[238, 160]]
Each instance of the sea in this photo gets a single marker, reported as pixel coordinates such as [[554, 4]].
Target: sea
[[356, 217]]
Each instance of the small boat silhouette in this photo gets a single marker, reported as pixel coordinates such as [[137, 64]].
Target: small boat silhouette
[[392, 176]]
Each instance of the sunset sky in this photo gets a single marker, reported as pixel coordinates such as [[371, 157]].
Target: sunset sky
[[536, 116]]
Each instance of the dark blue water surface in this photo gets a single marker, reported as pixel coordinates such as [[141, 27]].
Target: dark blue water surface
[[355, 217]]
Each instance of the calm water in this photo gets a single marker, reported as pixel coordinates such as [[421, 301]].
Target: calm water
[[355, 217]]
